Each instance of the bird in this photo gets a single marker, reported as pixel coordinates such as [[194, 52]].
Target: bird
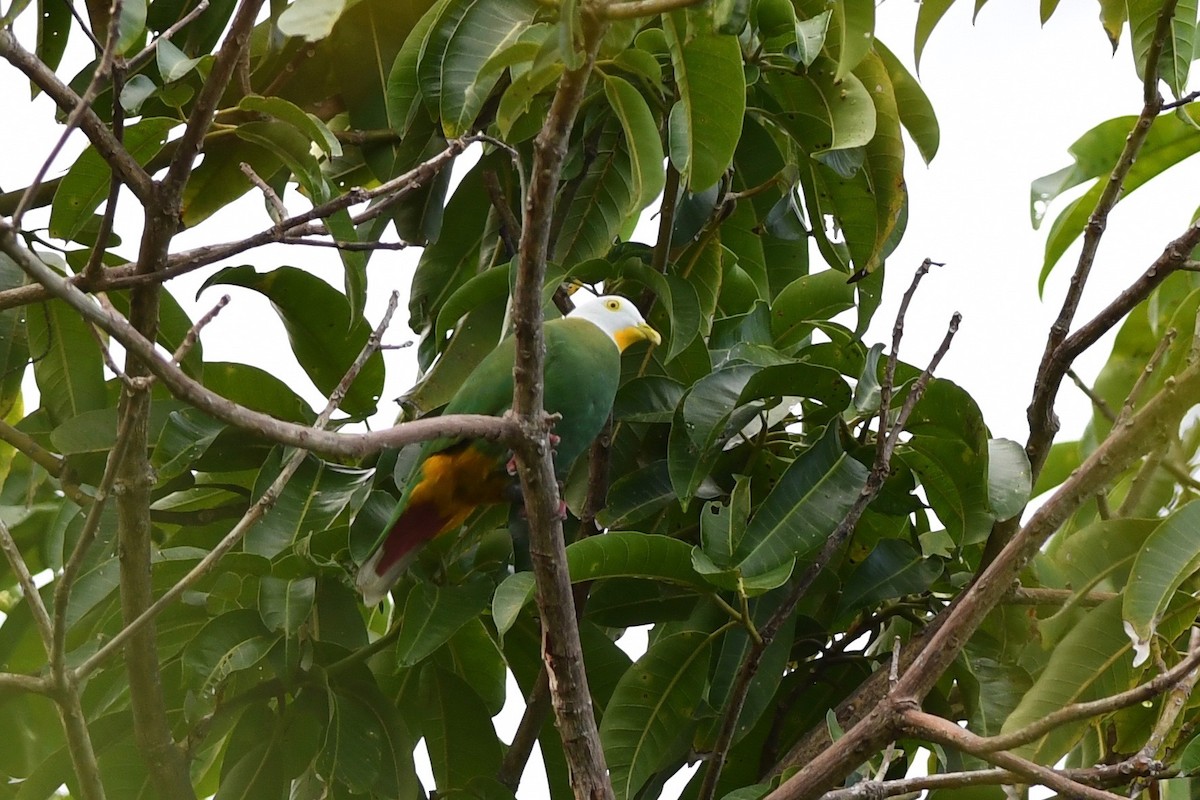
[[453, 477]]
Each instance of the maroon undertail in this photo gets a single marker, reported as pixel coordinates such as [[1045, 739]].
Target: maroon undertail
[[416, 526]]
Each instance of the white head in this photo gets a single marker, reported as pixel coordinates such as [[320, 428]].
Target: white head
[[619, 318]]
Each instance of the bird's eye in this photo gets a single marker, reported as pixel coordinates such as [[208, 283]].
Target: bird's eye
[[613, 305]]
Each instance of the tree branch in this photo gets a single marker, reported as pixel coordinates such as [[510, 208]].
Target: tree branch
[[927, 726], [561, 649], [111, 150], [300, 225], [352, 445], [886, 440], [1043, 425], [632, 9], [1154, 423], [252, 515]]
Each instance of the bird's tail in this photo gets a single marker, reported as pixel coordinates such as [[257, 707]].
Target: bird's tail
[[419, 523]]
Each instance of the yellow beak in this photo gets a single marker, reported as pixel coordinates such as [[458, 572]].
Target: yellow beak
[[637, 333]]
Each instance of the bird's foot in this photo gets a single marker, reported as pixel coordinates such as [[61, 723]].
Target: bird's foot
[[511, 466]]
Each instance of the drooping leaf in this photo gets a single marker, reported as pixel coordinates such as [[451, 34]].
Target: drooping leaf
[[642, 138], [285, 604], [654, 700], [311, 19], [1178, 48], [602, 204], [805, 506], [317, 320], [226, 644], [1170, 556], [432, 614], [317, 493], [1009, 478], [707, 120], [66, 362], [461, 741]]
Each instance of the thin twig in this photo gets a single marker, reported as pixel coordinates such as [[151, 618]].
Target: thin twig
[[252, 515], [928, 726], [193, 334], [83, 104], [35, 452], [886, 441], [354, 445], [303, 224], [1033, 596], [1183, 101], [632, 9], [274, 203], [1143, 377], [36, 607], [98, 133], [1173, 704], [1098, 402], [135, 63], [1177, 676]]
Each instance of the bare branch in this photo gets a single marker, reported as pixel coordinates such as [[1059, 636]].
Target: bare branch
[[111, 150], [83, 105], [301, 225], [356, 445], [1156, 422], [205, 105], [28, 588], [918, 723], [252, 515], [15, 681], [1173, 705], [1032, 596], [34, 451], [275, 204], [193, 334], [1177, 676], [1043, 425], [887, 439], [561, 649]]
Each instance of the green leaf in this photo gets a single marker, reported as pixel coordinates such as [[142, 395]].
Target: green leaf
[[635, 496], [810, 37], [403, 92], [226, 644], [655, 699], [1179, 48], [1092, 661], [722, 524], [642, 138], [185, 437], [312, 127], [311, 19], [257, 389], [1169, 557], [603, 203], [219, 179], [86, 184], [820, 113], [457, 55], [66, 362], [351, 753], [1009, 478], [1169, 141], [53, 29], [892, 570], [458, 730], [475, 337], [867, 392], [1103, 551], [707, 122], [317, 319], [804, 508], [173, 63], [315, 496], [930, 13], [432, 614], [285, 604], [614, 554], [812, 298], [510, 598], [916, 112], [136, 91], [256, 774], [14, 340], [856, 26], [649, 398], [131, 24]]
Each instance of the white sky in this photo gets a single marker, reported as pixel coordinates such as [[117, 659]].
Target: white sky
[[1010, 98]]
